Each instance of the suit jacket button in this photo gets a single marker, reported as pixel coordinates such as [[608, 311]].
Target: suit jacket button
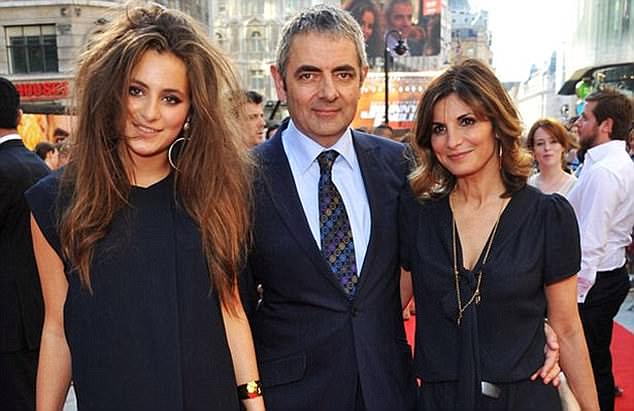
[[355, 311]]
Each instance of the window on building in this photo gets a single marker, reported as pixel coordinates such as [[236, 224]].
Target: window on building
[[256, 43], [298, 4], [253, 8], [220, 39], [32, 49], [257, 79]]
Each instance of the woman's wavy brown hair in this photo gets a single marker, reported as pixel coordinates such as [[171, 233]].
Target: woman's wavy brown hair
[[555, 129], [476, 85], [214, 170]]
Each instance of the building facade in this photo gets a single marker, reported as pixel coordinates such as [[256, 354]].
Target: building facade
[[470, 35], [602, 34], [249, 31], [536, 97], [40, 41]]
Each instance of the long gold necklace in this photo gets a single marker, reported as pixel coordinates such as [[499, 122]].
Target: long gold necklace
[[475, 297]]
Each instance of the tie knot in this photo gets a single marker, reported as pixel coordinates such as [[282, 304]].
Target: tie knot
[[326, 159]]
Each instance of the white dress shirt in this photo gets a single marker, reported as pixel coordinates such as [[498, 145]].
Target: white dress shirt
[[603, 199], [302, 153]]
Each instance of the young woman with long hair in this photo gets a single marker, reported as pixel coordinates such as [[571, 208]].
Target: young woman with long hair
[[139, 239]]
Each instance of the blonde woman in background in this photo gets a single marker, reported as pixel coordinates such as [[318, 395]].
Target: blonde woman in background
[[549, 142]]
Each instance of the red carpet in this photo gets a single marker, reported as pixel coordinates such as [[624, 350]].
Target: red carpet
[[410, 328], [623, 357], [623, 360]]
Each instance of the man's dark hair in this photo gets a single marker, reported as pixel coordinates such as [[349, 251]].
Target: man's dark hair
[[254, 97], [9, 104], [43, 148], [615, 105], [383, 126], [60, 133], [322, 19], [389, 8]]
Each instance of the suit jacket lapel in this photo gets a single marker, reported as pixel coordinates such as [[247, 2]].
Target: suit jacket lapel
[[367, 156], [280, 185]]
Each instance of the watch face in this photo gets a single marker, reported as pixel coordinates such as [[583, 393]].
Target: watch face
[[253, 387]]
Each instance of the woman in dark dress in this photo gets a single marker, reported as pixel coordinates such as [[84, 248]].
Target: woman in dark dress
[[490, 257], [139, 239]]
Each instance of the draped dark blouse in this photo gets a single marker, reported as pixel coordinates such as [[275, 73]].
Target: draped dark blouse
[[502, 338]]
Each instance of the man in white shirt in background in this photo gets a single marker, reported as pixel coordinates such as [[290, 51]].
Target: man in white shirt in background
[[603, 199]]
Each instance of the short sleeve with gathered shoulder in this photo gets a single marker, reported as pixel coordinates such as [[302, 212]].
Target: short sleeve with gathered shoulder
[[562, 252]]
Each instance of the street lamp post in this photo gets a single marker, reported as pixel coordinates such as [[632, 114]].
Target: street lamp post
[[400, 48]]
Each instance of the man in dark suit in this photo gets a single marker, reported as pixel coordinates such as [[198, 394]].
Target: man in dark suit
[[21, 309], [328, 331]]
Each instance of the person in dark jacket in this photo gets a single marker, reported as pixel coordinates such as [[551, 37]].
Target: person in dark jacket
[[20, 294]]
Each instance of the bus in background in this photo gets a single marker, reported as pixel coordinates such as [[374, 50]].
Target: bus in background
[[618, 76]]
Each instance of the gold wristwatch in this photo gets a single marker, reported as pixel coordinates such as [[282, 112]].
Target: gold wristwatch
[[252, 389]]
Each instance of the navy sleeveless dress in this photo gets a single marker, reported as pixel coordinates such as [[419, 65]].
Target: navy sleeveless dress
[[151, 335]]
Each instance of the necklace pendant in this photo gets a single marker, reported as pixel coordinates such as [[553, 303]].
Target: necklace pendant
[[477, 298], [459, 319]]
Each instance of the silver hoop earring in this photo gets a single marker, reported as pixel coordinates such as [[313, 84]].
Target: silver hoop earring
[[177, 145]]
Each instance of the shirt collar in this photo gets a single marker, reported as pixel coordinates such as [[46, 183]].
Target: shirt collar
[[10, 137], [307, 150], [601, 151]]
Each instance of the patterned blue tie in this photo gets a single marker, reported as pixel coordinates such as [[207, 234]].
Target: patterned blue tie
[[334, 227]]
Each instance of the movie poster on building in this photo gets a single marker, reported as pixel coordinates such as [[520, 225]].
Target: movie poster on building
[[42, 101], [53, 128], [405, 90], [418, 22]]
